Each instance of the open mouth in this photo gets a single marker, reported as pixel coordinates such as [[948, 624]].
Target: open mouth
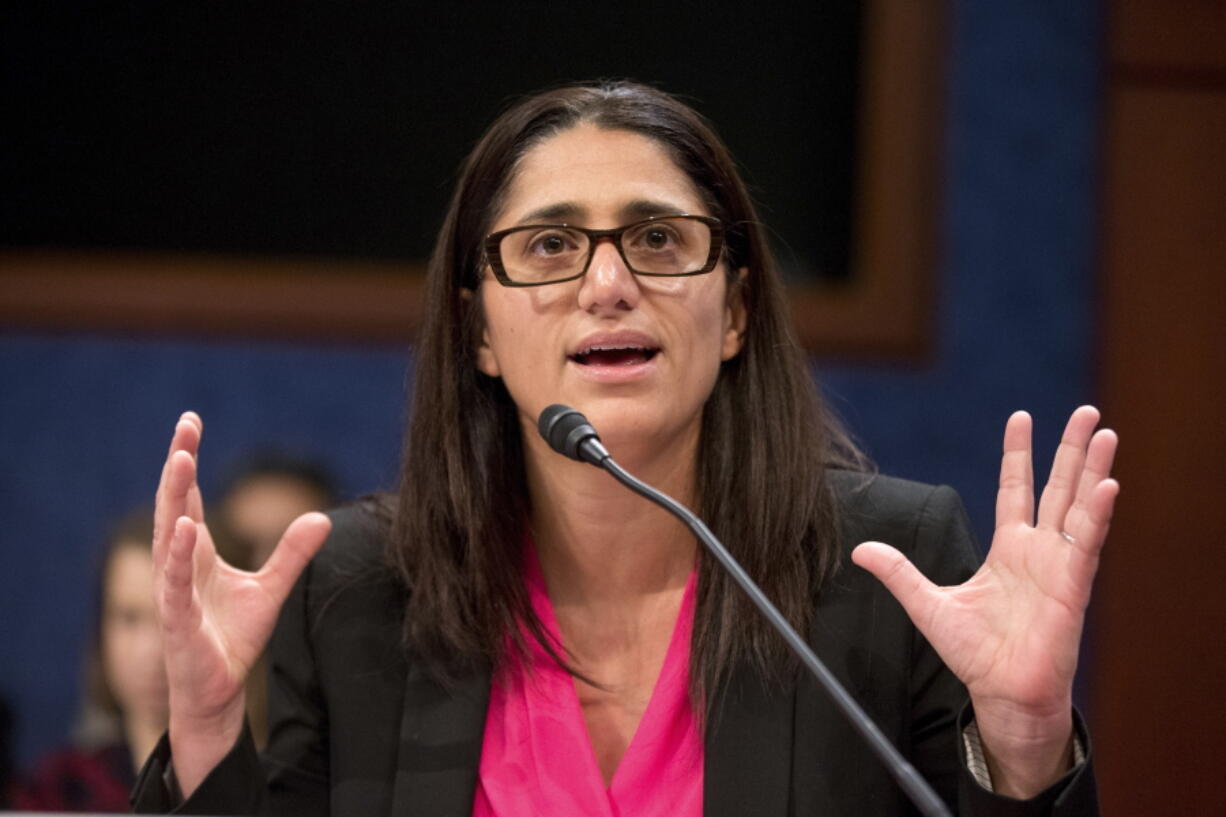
[[614, 355]]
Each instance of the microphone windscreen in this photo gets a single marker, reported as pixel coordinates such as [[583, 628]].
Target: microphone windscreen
[[564, 429]]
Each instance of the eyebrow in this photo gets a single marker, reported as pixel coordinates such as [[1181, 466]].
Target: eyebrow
[[563, 210], [569, 211]]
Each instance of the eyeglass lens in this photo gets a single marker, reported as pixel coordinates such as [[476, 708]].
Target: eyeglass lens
[[663, 246]]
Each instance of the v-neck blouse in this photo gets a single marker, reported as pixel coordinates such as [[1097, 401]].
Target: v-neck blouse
[[536, 755]]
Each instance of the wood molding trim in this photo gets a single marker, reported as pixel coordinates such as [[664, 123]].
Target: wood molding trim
[[164, 293], [885, 312]]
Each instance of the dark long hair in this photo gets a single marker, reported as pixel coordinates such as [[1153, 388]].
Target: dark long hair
[[462, 506], [100, 720]]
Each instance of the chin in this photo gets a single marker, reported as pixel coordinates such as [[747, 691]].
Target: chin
[[636, 427]]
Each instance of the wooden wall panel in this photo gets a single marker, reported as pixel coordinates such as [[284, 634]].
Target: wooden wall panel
[[1157, 711], [1184, 33]]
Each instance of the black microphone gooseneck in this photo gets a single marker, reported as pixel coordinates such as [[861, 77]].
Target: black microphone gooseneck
[[569, 433]]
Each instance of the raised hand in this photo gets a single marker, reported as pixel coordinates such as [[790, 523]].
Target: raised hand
[[1012, 632], [216, 619]]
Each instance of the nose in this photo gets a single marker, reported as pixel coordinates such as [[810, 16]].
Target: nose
[[608, 284]]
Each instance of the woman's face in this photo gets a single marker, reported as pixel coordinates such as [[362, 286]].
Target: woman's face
[[638, 355], [131, 640]]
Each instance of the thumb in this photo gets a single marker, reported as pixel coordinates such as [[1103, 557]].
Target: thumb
[[298, 545], [914, 592]]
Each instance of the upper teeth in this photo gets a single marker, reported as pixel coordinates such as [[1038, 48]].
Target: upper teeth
[[591, 349]]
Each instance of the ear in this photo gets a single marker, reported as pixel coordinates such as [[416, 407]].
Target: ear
[[735, 316], [486, 362]]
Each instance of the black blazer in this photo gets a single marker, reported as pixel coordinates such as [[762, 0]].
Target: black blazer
[[358, 728]]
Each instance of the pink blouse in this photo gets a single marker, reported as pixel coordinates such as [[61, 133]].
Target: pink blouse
[[537, 760]]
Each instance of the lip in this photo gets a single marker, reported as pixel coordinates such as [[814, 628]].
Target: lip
[[619, 372]]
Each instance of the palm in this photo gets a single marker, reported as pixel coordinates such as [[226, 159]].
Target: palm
[[212, 647], [1011, 632], [216, 619]]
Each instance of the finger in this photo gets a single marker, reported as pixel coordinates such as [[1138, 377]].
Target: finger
[[182, 499], [1015, 496], [204, 555], [1066, 468], [177, 605], [180, 479], [299, 544], [180, 473], [917, 595], [1100, 456], [186, 438], [1090, 534], [195, 502]]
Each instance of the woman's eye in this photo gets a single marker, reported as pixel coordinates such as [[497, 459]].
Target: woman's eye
[[552, 244], [656, 238]]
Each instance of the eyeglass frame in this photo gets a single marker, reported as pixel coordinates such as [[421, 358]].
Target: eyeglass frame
[[493, 250]]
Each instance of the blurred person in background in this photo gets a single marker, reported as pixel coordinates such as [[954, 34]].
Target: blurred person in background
[[269, 490], [125, 702], [263, 495]]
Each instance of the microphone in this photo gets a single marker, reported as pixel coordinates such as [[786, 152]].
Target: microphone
[[569, 433]]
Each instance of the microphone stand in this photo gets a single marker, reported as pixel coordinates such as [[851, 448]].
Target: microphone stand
[[568, 433]]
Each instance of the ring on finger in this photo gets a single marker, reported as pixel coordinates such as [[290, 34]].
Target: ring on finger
[[1068, 537]]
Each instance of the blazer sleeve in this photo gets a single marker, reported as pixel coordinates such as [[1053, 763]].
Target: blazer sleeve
[[945, 551]]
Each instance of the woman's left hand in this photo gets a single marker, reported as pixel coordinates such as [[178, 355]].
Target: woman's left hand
[[1011, 632]]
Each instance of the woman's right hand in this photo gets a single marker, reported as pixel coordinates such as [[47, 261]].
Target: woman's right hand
[[216, 619]]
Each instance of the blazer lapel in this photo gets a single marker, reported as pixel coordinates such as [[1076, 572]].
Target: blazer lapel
[[441, 731], [748, 754]]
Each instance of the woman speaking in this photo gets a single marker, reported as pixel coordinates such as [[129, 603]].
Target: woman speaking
[[514, 633]]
